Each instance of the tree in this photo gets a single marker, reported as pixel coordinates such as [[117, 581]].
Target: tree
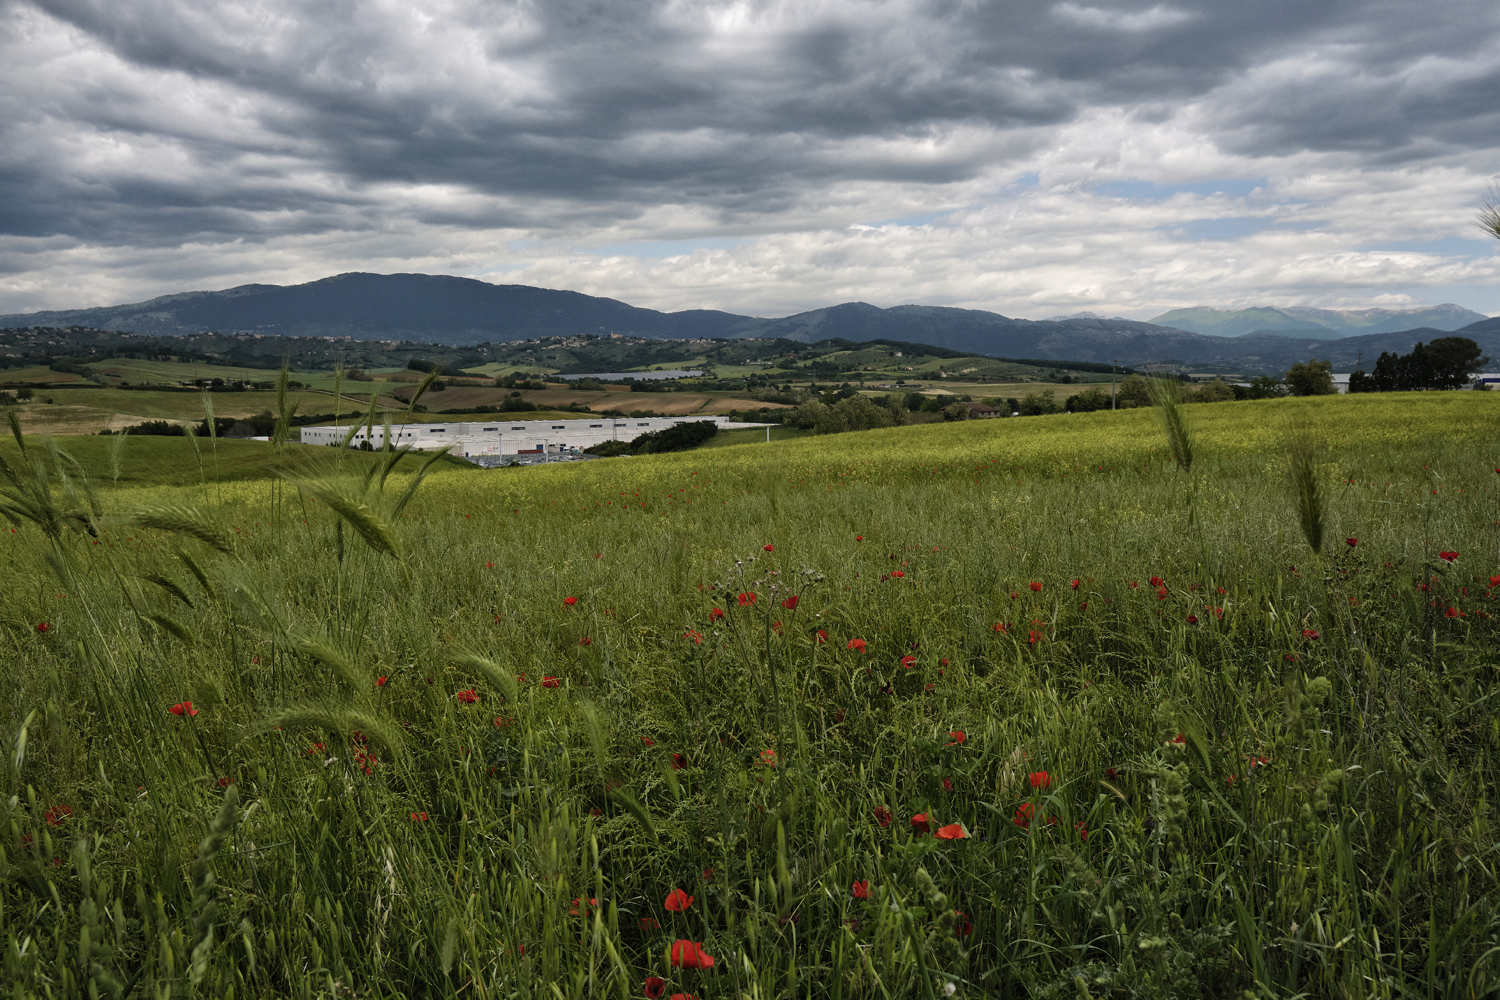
[[1091, 399], [956, 411], [1265, 387], [1217, 391], [1453, 361], [24, 394], [1315, 378], [1360, 382], [1035, 404]]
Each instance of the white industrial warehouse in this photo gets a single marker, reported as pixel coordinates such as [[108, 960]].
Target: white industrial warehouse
[[506, 437]]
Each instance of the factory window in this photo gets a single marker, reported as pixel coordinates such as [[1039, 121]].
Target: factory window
[[518, 428], [492, 428], [596, 425], [437, 430], [559, 427], [646, 424]]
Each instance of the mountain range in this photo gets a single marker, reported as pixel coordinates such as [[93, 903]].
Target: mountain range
[[1308, 323], [457, 311]]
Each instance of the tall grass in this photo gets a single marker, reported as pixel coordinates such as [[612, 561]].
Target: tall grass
[[409, 775]]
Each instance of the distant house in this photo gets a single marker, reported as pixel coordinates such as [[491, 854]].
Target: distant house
[[983, 411]]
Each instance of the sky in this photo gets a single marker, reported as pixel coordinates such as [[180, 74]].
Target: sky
[[1028, 157]]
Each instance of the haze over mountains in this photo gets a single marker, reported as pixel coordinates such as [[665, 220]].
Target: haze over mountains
[[1308, 323], [459, 311]]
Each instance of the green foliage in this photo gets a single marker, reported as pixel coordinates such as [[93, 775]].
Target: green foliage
[[1249, 779], [1311, 378]]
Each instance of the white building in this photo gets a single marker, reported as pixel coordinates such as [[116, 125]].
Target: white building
[[509, 437]]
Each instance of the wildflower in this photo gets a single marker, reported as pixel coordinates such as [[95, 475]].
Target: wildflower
[[708, 874], [380, 681], [943, 662], [838, 716], [1447, 556], [694, 635], [1036, 586], [1453, 613], [716, 614], [822, 636], [1034, 637], [43, 627], [57, 814], [573, 910], [1222, 590], [1023, 815], [183, 708], [1083, 830], [953, 831], [956, 737], [1351, 542], [550, 682], [1495, 581], [650, 924], [1111, 772], [769, 548], [857, 538], [468, 697], [683, 996], [747, 600], [690, 955], [678, 762], [1311, 633], [1041, 781], [1157, 581], [1161, 593], [655, 987], [585, 641], [1180, 738], [919, 824], [570, 601], [1290, 657], [907, 661], [419, 817], [677, 901], [947, 785], [1074, 584], [861, 889], [1001, 627], [898, 574], [963, 926], [791, 603], [1192, 619], [883, 816], [858, 645]]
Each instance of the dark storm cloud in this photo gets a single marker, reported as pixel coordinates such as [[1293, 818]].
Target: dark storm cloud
[[219, 121]]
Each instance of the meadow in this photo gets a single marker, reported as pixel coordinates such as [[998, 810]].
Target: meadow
[[1006, 708]]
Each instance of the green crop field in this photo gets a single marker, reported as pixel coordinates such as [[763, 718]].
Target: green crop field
[[1044, 707]]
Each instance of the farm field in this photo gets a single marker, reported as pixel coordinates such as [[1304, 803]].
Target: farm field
[[666, 403], [88, 411], [1011, 708]]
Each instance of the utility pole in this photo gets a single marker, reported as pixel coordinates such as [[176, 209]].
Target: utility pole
[[1112, 363]]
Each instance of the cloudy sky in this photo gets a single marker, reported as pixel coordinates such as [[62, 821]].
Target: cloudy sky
[[763, 156]]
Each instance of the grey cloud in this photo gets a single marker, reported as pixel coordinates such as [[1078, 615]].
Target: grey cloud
[[611, 107]]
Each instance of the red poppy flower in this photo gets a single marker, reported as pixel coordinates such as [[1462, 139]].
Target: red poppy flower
[[183, 708], [550, 682], [791, 603], [655, 987], [822, 636], [898, 574], [678, 901], [907, 661], [1180, 738], [1034, 637], [858, 645], [503, 720], [919, 824], [746, 600], [1453, 613], [963, 926], [716, 614], [1036, 586], [690, 955], [1075, 584], [861, 889], [1041, 781], [953, 831], [585, 641], [857, 538], [420, 817], [943, 662], [650, 924], [769, 548], [947, 785], [708, 874], [956, 737], [1192, 619], [1290, 657], [1001, 627], [57, 814], [43, 627], [1447, 556], [683, 996], [1351, 542], [838, 715], [1157, 581], [1495, 581], [573, 910], [882, 816], [678, 762], [1110, 772], [468, 697], [570, 601], [1023, 815], [380, 681], [1311, 633], [694, 635], [1083, 830]]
